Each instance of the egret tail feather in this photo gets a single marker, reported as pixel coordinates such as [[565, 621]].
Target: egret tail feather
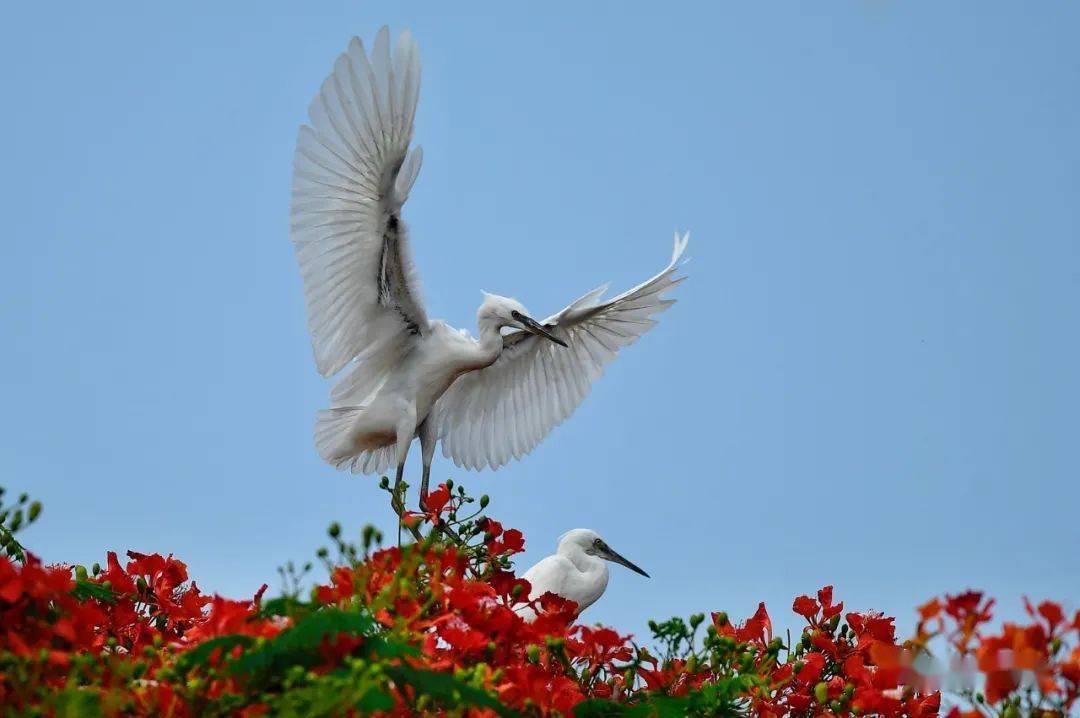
[[336, 443]]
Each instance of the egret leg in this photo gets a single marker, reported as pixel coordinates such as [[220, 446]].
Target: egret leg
[[405, 430], [395, 499], [427, 452]]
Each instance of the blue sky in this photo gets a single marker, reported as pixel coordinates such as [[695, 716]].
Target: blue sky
[[869, 380]]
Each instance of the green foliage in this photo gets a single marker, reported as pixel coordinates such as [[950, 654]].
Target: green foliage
[[13, 519]]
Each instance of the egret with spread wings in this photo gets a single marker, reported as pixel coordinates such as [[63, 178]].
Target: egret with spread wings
[[404, 376]]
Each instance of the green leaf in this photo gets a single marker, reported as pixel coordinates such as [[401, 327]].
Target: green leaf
[[444, 687], [281, 606], [653, 707], [374, 700], [86, 589], [299, 644], [200, 654], [597, 708], [77, 703]]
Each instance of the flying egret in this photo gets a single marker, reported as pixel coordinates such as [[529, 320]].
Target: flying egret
[[577, 571], [486, 400]]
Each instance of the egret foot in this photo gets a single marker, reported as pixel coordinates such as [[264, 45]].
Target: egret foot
[[397, 502], [424, 487]]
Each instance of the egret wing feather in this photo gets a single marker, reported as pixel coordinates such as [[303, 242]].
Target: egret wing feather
[[551, 574], [490, 416], [352, 172]]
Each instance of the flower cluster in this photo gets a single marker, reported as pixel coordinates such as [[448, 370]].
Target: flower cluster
[[1017, 669], [443, 625]]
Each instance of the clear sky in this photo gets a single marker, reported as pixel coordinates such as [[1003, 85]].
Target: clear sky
[[870, 378]]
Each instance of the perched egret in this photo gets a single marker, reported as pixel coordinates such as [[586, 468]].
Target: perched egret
[[577, 571], [486, 400]]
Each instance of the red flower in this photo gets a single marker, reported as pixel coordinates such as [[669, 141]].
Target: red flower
[[813, 665], [806, 607], [756, 629], [1049, 611], [828, 608], [502, 543]]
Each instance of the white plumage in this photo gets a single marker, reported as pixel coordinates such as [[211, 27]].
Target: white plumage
[[577, 570], [488, 399]]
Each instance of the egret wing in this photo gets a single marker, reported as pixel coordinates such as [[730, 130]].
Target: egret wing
[[352, 172], [490, 416], [550, 574]]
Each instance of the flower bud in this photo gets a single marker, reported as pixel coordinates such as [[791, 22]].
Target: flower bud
[[484, 501], [821, 692], [720, 619], [334, 530], [450, 484], [95, 569], [34, 511], [696, 619], [384, 482], [532, 652], [80, 573]]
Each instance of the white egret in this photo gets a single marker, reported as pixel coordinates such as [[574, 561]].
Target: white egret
[[486, 400], [577, 571]]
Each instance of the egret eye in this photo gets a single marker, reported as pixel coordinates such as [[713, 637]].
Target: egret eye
[[515, 314]]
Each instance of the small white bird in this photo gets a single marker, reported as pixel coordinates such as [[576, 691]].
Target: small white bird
[[486, 400], [577, 571]]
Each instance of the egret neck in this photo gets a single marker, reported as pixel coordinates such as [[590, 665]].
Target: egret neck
[[490, 327], [594, 573]]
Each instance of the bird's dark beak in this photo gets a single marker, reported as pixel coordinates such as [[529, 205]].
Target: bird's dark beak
[[612, 556], [533, 327]]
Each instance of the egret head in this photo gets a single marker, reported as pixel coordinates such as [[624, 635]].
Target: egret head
[[589, 542], [507, 312]]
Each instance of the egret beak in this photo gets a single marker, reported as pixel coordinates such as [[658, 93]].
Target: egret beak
[[533, 327], [612, 556]]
